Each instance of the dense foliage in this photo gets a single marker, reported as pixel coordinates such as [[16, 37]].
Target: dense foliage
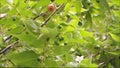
[[79, 33]]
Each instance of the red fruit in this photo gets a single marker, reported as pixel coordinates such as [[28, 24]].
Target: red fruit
[[51, 7]]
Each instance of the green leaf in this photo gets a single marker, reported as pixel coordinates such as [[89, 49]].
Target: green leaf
[[51, 24], [1, 41], [60, 1], [67, 6], [87, 63], [17, 30], [42, 3], [115, 37], [61, 49], [116, 2], [103, 5], [86, 33], [78, 6], [32, 27], [116, 53], [24, 59], [85, 3], [49, 32], [31, 40], [4, 9], [50, 62]]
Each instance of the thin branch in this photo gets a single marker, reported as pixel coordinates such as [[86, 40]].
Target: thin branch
[[45, 22], [9, 37], [5, 50], [42, 14], [100, 64]]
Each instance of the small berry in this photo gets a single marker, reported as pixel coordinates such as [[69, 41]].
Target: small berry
[[51, 7]]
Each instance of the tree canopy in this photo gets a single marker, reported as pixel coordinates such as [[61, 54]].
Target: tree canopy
[[60, 33]]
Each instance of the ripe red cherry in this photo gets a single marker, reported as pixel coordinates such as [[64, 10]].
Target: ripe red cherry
[[51, 7]]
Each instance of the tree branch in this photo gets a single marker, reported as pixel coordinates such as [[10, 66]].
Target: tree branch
[[45, 22], [9, 37], [41, 14], [5, 50]]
